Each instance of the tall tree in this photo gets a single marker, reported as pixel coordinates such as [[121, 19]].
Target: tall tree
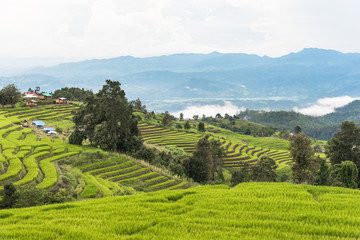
[[37, 90], [187, 125], [304, 164], [297, 129], [201, 127], [107, 120], [181, 117], [264, 170], [167, 119], [206, 162], [344, 175], [345, 145], [10, 95], [243, 174], [10, 196], [322, 177]]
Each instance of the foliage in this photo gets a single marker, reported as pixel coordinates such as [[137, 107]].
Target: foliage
[[10, 95], [322, 177], [285, 134], [344, 174], [206, 161], [170, 160], [243, 174], [10, 195], [107, 120], [201, 127], [167, 119], [187, 125], [304, 164], [137, 105], [17, 197], [345, 146], [73, 93], [233, 123], [264, 170], [297, 129]]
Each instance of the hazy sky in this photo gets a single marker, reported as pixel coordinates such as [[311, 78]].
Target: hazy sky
[[45, 32]]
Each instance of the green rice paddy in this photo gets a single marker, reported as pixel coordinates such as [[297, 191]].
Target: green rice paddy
[[248, 211]]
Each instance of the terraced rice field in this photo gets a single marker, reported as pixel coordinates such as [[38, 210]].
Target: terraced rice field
[[45, 112], [248, 211], [161, 136], [124, 171], [236, 151], [26, 159]]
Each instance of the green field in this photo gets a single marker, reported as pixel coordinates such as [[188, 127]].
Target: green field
[[239, 148], [248, 211], [29, 158]]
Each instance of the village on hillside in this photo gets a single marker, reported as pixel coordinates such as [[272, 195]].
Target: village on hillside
[[33, 99]]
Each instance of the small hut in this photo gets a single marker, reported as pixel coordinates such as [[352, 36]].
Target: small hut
[[45, 96], [62, 101]]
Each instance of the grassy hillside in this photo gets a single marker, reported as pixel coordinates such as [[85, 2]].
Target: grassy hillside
[[239, 148], [248, 211], [322, 127], [26, 158], [29, 158]]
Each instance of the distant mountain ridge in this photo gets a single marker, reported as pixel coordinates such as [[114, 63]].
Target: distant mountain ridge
[[299, 77]]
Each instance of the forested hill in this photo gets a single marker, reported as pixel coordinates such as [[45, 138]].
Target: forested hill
[[316, 127]]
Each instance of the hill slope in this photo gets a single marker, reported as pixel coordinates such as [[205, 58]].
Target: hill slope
[[322, 127], [248, 211], [29, 158]]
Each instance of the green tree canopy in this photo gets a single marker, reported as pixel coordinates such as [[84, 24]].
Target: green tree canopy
[[10, 95], [304, 164], [73, 93], [187, 125], [167, 119], [107, 120], [264, 170], [345, 145], [206, 162], [344, 174], [201, 127]]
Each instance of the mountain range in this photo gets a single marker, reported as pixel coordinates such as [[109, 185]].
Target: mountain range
[[174, 81]]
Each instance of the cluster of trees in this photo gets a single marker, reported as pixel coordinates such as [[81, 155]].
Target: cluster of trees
[[206, 163], [235, 124], [322, 127], [106, 120], [262, 171], [170, 160], [10, 95], [343, 150], [16, 197], [73, 93]]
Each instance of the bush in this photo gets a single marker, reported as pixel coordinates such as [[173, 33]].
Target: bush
[[59, 130]]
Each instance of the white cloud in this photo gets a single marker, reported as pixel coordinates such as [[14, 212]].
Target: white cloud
[[209, 110], [324, 106], [84, 29]]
